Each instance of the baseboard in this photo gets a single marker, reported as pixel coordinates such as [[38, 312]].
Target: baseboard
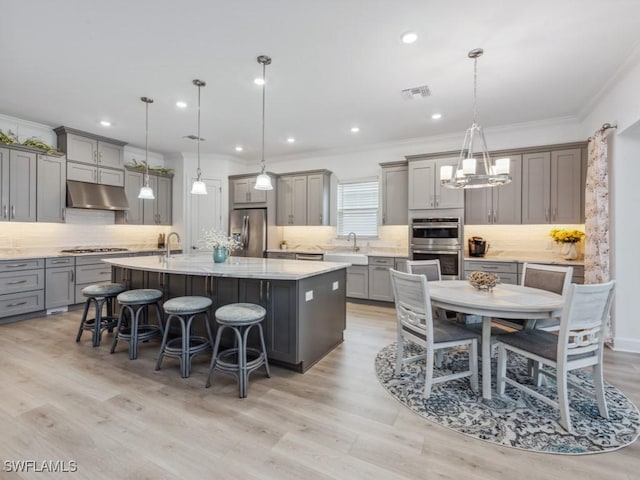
[[626, 345]]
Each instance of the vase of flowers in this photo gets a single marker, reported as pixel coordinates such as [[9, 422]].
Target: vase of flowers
[[568, 238], [221, 244]]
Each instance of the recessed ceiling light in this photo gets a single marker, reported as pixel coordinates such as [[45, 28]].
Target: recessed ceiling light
[[436, 116], [291, 140], [258, 81], [355, 129], [105, 123], [409, 37], [181, 104], [239, 148]]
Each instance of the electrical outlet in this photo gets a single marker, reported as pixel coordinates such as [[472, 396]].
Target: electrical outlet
[[336, 285], [308, 296]]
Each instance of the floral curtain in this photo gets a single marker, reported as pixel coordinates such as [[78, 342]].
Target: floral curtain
[[596, 247]]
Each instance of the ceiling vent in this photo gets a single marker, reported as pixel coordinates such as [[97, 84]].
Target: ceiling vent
[[194, 137], [416, 92]]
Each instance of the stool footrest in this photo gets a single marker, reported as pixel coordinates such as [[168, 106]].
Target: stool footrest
[[232, 367], [173, 348]]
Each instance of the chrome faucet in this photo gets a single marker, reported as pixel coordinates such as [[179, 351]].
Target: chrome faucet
[[355, 241], [167, 253]]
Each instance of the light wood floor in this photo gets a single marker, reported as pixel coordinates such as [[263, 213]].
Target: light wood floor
[[121, 419]]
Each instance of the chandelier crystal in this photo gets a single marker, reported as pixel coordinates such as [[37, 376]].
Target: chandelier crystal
[[469, 172], [263, 181]]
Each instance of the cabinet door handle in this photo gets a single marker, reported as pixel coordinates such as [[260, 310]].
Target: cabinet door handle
[[489, 216], [495, 217], [437, 201], [17, 265], [17, 282], [16, 304], [95, 174], [546, 214], [55, 262], [433, 199], [260, 296], [95, 156], [71, 276], [64, 214], [13, 211], [4, 211], [555, 213], [268, 288]]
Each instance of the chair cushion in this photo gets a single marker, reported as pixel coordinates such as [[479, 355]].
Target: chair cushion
[[103, 290], [140, 296], [541, 343], [187, 305], [240, 313], [448, 332]]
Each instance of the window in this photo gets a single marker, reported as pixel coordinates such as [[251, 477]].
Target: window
[[358, 208]]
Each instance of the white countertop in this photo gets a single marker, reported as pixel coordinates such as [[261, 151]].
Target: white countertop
[[524, 257], [236, 267], [18, 255]]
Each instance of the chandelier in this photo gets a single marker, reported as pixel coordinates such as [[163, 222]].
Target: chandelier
[[469, 173], [199, 187], [146, 192]]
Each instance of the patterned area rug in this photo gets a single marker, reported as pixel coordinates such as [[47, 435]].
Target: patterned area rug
[[515, 420]]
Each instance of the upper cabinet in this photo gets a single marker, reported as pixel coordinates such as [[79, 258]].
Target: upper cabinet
[[243, 194], [425, 190], [497, 205], [17, 185], [552, 186], [147, 212], [92, 158], [89, 148], [394, 185], [303, 198], [51, 192]]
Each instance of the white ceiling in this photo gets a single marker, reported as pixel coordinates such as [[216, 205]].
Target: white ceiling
[[336, 63]]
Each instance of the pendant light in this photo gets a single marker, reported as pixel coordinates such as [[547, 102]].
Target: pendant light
[[468, 174], [263, 182], [199, 187], [146, 193]]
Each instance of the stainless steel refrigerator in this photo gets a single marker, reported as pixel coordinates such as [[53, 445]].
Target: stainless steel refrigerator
[[249, 227]]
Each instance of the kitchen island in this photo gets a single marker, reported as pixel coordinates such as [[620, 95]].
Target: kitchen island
[[305, 301]]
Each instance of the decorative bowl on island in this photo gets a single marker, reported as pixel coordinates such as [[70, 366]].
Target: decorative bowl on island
[[483, 280]]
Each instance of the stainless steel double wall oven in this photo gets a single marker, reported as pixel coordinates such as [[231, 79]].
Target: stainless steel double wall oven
[[438, 235]]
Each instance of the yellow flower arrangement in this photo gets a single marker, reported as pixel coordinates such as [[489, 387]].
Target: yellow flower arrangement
[[566, 236]]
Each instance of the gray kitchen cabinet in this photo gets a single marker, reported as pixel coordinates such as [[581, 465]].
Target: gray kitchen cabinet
[[379, 278], [51, 195], [133, 181], [88, 148], [496, 205], [59, 282], [358, 281], [243, 192], [21, 287], [425, 190], [18, 185], [318, 198], [395, 183], [552, 184], [291, 200], [90, 270], [507, 271], [82, 172], [401, 264], [159, 210]]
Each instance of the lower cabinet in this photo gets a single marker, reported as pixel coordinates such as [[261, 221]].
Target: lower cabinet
[[507, 271], [379, 278], [59, 281], [21, 287], [358, 281], [90, 270]]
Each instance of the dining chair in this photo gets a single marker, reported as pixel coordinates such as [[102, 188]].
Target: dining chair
[[552, 278], [579, 344], [428, 268], [415, 324]]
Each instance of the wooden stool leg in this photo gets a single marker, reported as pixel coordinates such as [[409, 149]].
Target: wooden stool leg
[[214, 356], [84, 319]]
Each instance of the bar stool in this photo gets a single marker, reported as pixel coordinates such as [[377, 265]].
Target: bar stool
[[186, 346], [137, 302], [99, 295], [239, 317]]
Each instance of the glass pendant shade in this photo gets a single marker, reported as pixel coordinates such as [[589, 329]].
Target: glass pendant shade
[[475, 168], [198, 188], [146, 192], [263, 181]]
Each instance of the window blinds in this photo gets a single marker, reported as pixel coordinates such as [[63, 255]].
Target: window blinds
[[358, 208]]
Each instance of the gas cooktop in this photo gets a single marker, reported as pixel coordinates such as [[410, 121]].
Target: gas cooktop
[[94, 250]]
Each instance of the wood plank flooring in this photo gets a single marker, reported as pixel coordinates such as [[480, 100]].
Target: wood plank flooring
[[121, 419]]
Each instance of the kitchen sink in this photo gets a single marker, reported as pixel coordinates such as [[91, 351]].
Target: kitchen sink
[[347, 257]]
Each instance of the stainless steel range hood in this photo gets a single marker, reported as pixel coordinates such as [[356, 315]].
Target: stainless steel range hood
[[96, 196]]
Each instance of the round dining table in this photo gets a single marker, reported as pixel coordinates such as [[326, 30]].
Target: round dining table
[[503, 301]]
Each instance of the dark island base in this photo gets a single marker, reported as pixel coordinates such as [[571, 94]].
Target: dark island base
[[305, 318]]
